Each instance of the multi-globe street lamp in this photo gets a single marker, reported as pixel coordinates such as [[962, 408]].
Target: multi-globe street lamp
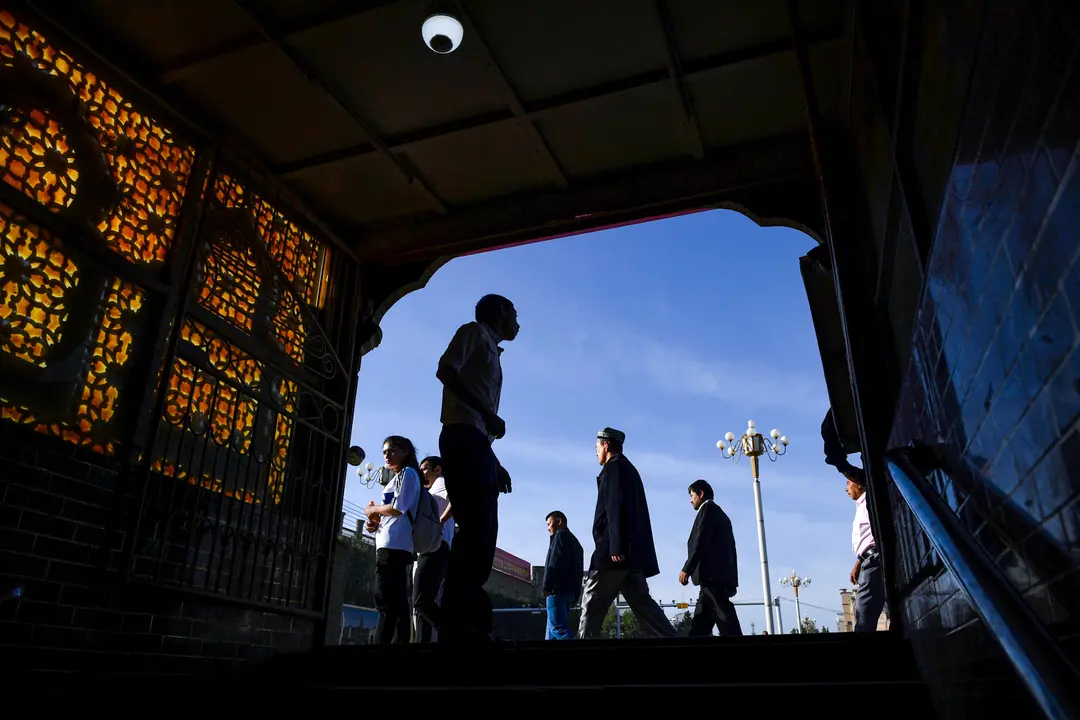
[[795, 582], [753, 445]]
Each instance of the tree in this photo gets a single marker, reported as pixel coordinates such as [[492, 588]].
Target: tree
[[681, 623], [631, 627], [359, 572], [809, 627]]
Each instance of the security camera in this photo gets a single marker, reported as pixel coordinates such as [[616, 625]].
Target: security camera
[[442, 32]]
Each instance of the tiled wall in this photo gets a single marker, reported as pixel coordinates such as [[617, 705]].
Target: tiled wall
[[994, 372]]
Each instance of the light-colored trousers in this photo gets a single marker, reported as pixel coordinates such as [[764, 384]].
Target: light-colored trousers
[[601, 589]]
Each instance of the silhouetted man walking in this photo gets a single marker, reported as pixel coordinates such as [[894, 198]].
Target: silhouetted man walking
[[562, 576], [711, 563], [471, 374], [625, 555]]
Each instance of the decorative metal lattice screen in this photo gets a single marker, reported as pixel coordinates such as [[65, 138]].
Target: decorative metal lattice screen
[[237, 456]]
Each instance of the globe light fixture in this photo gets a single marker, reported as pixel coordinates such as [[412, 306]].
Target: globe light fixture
[[795, 582]]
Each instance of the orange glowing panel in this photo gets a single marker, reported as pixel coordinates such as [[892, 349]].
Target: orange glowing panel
[[35, 279], [218, 404], [148, 164], [35, 158], [302, 258]]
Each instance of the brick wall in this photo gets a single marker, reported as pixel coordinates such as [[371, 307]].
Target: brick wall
[[994, 371], [62, 522]]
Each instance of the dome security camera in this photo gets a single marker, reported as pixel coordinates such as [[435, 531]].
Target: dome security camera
[[442, 32]]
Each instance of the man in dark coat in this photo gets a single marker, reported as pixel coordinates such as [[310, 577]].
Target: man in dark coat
[[562, 576], [712, 565], [624, 555]]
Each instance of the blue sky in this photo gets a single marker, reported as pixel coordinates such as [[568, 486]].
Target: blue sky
[[661, 330]]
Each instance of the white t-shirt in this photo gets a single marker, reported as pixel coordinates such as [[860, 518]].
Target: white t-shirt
[[438, 491], [403, 492]]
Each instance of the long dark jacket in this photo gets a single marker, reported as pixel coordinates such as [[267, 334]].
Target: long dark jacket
[[621, 525], [565, 565], [710, 552]]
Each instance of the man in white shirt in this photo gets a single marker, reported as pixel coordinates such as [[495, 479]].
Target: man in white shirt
[[866, 574], [470, 371], [431, 567]]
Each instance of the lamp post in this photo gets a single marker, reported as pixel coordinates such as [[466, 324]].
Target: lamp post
[[753, 445], [795, 582]]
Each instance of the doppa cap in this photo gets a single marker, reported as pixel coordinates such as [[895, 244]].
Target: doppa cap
[[612, 434]]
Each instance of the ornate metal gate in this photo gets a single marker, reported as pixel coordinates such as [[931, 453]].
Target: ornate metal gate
[[178, 322]]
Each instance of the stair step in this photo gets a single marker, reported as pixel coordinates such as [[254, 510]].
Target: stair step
[[752, 663]]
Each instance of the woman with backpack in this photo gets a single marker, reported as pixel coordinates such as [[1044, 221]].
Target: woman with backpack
[[391, 523]]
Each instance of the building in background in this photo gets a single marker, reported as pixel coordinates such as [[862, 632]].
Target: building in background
[[845, 622], [358, 625], [512, 579]]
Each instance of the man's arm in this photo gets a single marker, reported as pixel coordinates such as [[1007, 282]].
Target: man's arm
[[693, 556], [834, 449], [578, 569], [553, 564], [611, 489], [447, 514]]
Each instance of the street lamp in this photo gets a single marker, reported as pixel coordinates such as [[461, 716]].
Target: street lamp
[[795, 582], [753, 445]]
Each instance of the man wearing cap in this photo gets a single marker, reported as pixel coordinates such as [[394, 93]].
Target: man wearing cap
[[866, 575], [625, 555]]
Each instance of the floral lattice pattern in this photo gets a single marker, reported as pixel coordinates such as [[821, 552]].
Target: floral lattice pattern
[[109, 352], [299, 255], [296, 252], [107, 355], [219, 404], [229, 285], [35, 279], [149, 166], [36, 159]]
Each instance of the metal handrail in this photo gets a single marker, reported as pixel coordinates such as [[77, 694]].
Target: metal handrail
[[1043, 667]]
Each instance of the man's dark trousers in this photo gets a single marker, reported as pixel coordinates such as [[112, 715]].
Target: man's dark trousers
[[430, 572], [470, 470], [714, 607]]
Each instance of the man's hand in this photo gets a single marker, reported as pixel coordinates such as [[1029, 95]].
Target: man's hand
[[368, 512], [854, 577], [371, 525], [505, 484], [618, 558], [683, 578], [495, 426]]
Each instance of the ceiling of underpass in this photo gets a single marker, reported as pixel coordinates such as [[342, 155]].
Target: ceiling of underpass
[[552, 116]]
